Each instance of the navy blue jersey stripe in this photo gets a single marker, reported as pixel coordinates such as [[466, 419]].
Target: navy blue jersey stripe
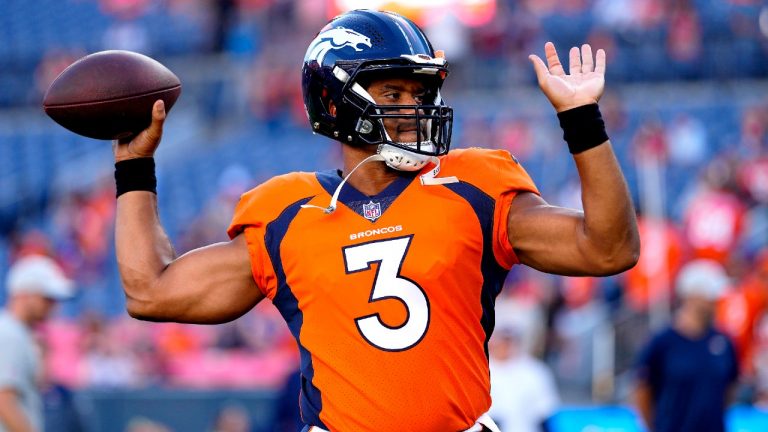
[[288, 305], [493, 273]]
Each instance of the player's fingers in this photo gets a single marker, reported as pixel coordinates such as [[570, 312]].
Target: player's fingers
[[587, 63], [555, 67], [158, 111], [155, 130], [574, 61], [439, 54], [539, 67], [600, 62]]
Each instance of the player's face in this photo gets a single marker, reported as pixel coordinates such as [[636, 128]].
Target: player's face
[[39, 307], [704, 306], [400, 91]]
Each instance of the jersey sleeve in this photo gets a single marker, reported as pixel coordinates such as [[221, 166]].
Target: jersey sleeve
[[500, 175], [733, 371], [11, 366], [513, 179], [250, 222], [648, 360], [253, 213]]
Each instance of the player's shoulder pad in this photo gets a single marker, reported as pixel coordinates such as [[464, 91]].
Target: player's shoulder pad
[[489, 169], [266, 201], [477, 155]]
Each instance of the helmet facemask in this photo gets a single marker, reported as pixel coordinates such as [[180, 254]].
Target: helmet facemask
[[433, 120], [433, 129]]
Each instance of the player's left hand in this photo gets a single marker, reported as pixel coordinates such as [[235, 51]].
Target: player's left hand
[[582, 86]]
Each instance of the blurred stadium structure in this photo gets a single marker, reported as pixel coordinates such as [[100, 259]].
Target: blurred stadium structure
[[687, 110]]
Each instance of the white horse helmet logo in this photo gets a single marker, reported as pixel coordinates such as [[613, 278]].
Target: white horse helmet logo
[[336, 38]]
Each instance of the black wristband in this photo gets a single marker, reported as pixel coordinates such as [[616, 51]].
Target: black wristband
[[135, 175], [583, 128]]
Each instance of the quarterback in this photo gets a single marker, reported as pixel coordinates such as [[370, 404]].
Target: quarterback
[[386, 269]]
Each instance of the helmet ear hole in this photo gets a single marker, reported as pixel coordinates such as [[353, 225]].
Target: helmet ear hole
[[327, 102]]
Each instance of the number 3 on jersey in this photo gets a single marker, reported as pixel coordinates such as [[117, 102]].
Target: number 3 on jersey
[[388, 284]]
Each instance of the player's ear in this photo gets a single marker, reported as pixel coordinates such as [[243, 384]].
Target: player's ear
[[331, 108]]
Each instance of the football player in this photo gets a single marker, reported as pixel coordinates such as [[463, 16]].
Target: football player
[[387, 269]]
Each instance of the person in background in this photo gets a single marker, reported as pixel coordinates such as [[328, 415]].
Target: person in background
[[522, 387], [34, 284], [232, 418], [287, 415], [686, 373]]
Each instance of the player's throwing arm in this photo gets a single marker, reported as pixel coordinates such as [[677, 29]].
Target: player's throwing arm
[[125, 96], [208, 285]]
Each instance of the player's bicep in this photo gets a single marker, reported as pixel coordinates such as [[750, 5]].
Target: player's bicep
[[209, 285], [11, 415], [642, 396], [546, 237]]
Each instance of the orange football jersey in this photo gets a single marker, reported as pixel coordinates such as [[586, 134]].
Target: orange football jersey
[[390, 297]]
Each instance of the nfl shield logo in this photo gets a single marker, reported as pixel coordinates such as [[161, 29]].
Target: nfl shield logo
[[372, 211]]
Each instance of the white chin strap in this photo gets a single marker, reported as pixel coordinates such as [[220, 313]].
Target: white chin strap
[[404, 160], [428, 179]]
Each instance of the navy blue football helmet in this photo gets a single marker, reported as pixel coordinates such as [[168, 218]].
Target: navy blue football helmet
[[352, 49]]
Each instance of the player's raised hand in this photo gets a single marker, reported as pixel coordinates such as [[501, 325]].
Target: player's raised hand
[[583, 84], [145, 142]]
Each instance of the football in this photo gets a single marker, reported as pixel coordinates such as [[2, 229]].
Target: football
[[109, 94]]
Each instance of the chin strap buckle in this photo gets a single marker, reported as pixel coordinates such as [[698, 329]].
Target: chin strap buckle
[[430, 178]]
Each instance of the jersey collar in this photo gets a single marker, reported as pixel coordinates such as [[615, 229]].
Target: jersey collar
[[355, 200]]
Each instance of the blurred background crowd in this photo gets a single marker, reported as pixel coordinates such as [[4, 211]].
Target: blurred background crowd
[[686, 108]]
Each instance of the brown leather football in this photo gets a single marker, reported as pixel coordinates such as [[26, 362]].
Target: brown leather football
[[109, 94]]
